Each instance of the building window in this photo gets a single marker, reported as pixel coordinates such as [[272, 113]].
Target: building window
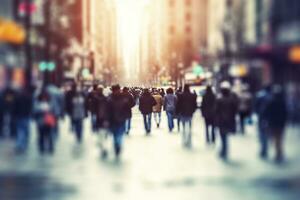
[[172, 3], [188, 29], [188, 2], [188, 43], [172, 30], [188, 17]]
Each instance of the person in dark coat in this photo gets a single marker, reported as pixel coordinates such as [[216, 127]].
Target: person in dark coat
[[263, 98], [186, 106], [92, 106], [226, 110], [23, 111], [117, 106], [276, 117], [130, 104], [146, 104], [208, 108]]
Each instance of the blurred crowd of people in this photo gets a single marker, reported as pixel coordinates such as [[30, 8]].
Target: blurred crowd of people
[[110, 112]]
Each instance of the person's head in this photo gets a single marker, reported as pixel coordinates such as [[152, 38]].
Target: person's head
[[125, 89], [186, 88], [95, 87], [100, 90], [209, 89], [170, 91], [225, 88], [146, 91], [74, 86], [116, 88]]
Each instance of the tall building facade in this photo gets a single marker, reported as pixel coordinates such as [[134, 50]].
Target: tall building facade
[[187, 29]]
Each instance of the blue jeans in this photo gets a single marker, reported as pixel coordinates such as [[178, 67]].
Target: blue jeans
[[127, 125], [157, 117], [22, 133], [170, 116], [263, 138], [78, 127], [186, 130], [224, 144], [118, 132], [147, 122]]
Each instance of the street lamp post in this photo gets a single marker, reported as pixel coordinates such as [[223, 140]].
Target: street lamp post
[[28, 49]]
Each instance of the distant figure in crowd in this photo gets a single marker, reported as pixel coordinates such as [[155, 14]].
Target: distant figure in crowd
[[170, 102], [157, 108], [276, 117], [130, 103], [78, 113], [9, 98], [187, 105], [146, 105], [117, 111], [208, 108], [92, 106], [263, 98], [57, 103], [102, 121], [22, 112], [244, 107], [226, 110], [162, 92], [45, 122], [177, 115]]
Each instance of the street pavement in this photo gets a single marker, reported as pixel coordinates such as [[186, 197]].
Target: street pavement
[[151, 167]]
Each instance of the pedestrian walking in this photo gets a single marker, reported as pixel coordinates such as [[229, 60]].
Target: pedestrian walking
[[102, 122], [23, 112], [130, 103], [157, 108], [170, 102], [226, 110], [208, 108], [92, 106], [187, 105], [146, 105], [276, 117], [244, 107], [45, 122], [78, 113], [117, 111], [262, 100], [177, 116]]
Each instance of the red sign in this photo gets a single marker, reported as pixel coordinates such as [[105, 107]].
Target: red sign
[[22, 8]]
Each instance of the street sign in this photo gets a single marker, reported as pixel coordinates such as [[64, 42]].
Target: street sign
[[11, 32]]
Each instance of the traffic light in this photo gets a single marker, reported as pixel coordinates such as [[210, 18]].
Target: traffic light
[[47, 66]]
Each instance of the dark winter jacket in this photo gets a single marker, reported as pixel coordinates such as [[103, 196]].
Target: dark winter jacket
[[187, 104], [226, 109], [208, 106], [146, 103]]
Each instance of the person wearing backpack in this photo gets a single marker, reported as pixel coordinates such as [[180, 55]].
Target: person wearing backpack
[[146, 105], [117, 117], [226, 110], [45, 122], [78, 113]]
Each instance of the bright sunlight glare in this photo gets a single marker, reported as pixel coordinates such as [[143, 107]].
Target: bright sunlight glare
[[131, 24]]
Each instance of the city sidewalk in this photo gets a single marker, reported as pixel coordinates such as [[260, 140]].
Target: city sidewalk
[[154, 167]]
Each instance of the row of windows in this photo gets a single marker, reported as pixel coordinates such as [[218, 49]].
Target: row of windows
[[172, 30], [173, 2]]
